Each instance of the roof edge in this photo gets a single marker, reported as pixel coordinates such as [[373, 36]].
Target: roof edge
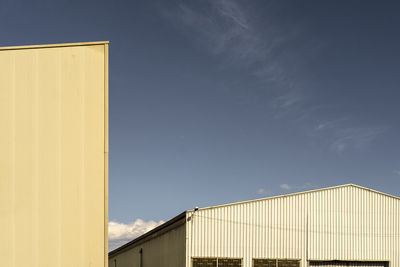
[[52, 45], [299, 193], [375, 191], [149, 233]]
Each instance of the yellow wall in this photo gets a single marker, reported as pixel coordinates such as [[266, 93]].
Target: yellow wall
[[54, 155], [166, 250]]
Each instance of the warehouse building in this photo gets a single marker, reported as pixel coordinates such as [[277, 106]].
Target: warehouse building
[[346, 225], [54, 155]]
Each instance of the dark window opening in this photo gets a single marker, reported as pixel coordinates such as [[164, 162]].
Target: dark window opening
[[288, 263], [229, 262], [216, 262], [264, 263], [141, 257], [204, 262], [275, 263]]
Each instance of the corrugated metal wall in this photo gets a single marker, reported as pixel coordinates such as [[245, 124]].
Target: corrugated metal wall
[[166, 250], [53, 160], [348, 223]]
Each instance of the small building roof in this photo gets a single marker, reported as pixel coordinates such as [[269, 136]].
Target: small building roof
[[52, 45]]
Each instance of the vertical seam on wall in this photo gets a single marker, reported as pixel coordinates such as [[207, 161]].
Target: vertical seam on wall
[[13, 86], [36, 162], [59, 158], [105, 155], [82, 191], [105, 151]]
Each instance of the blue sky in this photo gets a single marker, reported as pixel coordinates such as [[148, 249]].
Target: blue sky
[[220, 101]]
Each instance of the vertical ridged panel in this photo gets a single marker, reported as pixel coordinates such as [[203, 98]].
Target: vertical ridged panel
[[351, 223], [263, 229], [52, 173], [346, 223]]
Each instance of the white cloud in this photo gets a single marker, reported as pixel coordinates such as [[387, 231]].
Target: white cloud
[[120, 233], [285, 186], [262, 191], [397, 172], [305, 186]]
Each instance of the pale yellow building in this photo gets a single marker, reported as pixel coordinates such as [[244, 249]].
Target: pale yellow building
[[54, 155], [346, 225]]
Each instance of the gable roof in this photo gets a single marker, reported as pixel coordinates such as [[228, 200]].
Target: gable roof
[[300, 193]]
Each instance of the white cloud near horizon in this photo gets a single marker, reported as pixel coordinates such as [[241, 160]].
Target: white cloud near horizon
[[304, 186], [121, 233], [285, 186], [263, 192]]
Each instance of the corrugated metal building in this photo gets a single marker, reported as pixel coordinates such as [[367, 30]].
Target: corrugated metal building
[[345, 225], [54, 155]]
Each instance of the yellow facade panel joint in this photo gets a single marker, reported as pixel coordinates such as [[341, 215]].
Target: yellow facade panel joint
[[53, 45]]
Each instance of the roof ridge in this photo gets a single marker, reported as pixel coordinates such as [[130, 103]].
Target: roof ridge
[[300, 193]]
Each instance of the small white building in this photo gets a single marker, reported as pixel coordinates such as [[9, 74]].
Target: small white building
[[346, 225]]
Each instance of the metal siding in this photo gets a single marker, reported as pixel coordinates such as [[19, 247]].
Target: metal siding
[[358, 224], [53, 174], [167, 250], [347, 223]]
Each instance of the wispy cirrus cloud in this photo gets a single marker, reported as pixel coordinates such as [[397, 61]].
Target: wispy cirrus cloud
[[229, 29], [121, 233], [355, 138], [343, 136], [330, 124], [223, 28], [260, 47]]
